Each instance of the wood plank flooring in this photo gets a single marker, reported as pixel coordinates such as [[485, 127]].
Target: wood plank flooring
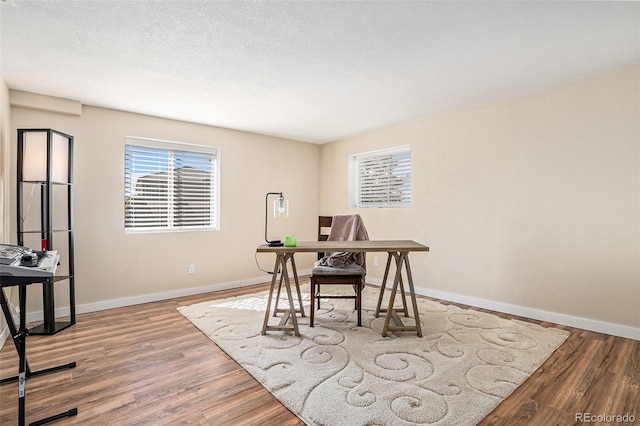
[[147, 365]]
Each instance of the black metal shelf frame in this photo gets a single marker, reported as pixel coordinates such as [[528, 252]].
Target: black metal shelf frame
[[50, 325]]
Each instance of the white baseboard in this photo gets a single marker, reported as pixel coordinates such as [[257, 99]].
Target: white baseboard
[[153, 297], [537, 314], [578, 322]]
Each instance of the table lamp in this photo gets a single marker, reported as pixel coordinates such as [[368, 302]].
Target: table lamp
[[280, 208]]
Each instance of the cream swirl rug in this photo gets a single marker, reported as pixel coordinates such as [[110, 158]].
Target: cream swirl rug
[[339, 374]]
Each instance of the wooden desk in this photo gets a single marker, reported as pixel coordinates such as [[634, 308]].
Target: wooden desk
[[396, 249]]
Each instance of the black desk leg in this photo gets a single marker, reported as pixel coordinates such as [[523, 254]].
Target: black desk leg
[[22, 354], [20, 340], [13, 332]]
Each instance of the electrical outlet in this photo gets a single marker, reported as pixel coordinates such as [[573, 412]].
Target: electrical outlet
[[376, 261], [192, 268]]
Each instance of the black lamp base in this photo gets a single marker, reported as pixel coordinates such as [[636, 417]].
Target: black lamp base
[[275, 243]]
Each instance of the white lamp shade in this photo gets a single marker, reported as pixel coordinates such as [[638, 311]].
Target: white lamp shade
[[34, 154], [280, 208]]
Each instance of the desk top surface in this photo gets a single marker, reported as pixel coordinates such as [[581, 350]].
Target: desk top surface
[[347, 246]]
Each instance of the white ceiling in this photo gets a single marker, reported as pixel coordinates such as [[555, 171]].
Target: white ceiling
[[314, 71]]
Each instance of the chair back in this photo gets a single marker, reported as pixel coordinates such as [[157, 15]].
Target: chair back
[[324, 227]]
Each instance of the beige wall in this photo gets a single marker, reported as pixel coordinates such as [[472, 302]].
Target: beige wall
[[532, 201], [112, 265]]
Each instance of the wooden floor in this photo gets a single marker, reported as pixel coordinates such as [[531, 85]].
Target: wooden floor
[[147, 365]]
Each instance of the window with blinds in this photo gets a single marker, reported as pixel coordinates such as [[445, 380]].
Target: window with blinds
[[380, 178], [170, 186]]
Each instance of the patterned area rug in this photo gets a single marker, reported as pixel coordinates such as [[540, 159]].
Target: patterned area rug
[[339, 374]]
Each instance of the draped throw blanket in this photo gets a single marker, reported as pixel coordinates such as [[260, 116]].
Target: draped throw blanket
[[346, 228]]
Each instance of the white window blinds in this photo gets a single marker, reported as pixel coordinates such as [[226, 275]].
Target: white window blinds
[[380, 178], [170, 186]]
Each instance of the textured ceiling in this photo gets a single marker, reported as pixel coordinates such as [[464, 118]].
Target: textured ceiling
[[314, 71]]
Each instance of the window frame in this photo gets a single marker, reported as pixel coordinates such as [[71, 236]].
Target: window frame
[[172, 147], [355, 184]]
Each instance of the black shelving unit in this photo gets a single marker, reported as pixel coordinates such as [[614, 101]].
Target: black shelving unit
[[45, 162]]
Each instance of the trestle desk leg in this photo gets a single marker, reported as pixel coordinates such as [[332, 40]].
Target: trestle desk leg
[[392, 298], [295, 278], [412, 293], [383, 286], [402, 260], [275, 309], [289, 314], [273, 284], [292, 308], [379, 308]]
